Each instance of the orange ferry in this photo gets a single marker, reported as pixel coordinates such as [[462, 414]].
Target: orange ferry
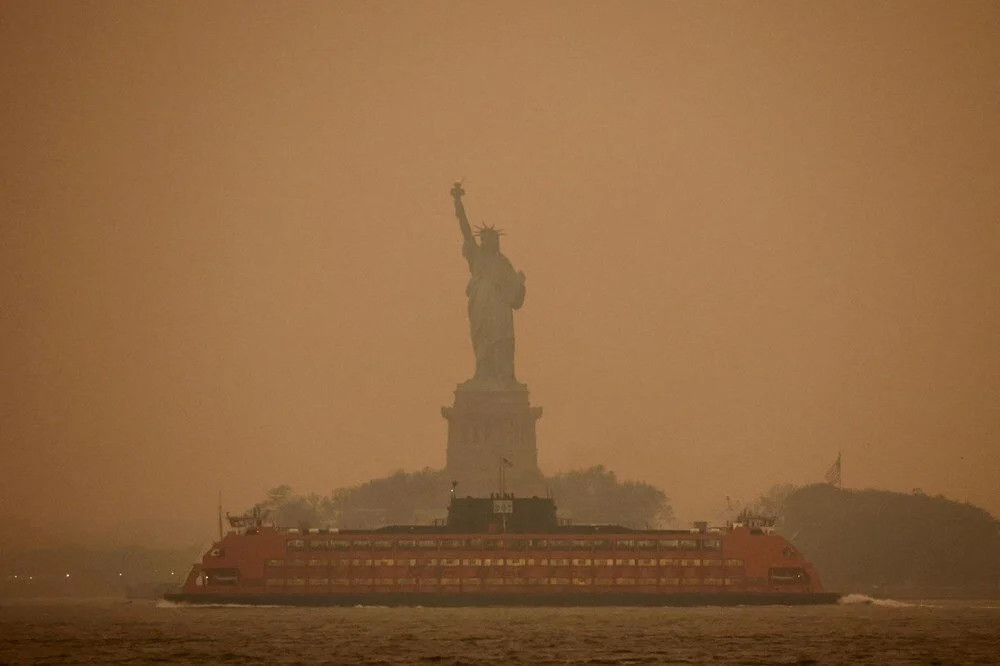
[[503, 550]]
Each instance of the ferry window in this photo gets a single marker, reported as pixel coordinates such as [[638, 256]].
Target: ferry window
[[625, 563], [690, 563], [295, 581], [427, 544], [340, 544], [559, 544], [689, 544], [540, 544], [711, 544], [669, 544], [318, 563], [788, 576], [711, 563], [295, 563], [452, 543], [319, 544], [296, 544], [603, 544], [647, 563], [645, 544], [518, 544], [475, 543], [222, 576], [734, 563], [406, 544], [668, 562], [581, 544], [492, 544], [382, 544], [319, 581], [626, 544], [362, 544], [274, 563], [713, 581]]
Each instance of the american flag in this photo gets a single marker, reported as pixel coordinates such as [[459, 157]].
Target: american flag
[[833, 474]]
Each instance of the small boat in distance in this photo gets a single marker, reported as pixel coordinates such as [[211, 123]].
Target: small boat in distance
[[503, 551]]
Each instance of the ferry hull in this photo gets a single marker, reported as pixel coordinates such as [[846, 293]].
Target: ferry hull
[[480, 600]]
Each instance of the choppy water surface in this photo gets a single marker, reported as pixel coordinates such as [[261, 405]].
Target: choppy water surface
[[113, 631]]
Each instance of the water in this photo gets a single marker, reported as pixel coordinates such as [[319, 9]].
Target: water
[[862, 630]]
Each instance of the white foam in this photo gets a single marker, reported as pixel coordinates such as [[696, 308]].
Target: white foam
[[163, 603], [863, 599]]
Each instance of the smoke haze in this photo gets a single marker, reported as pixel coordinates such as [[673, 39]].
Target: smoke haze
[[755, 234]]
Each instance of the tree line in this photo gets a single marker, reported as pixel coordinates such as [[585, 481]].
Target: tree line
[[592, 495], [889, 543]]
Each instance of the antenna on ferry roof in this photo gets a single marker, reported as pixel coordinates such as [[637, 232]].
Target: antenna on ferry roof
[[220, 515], [454, 484]]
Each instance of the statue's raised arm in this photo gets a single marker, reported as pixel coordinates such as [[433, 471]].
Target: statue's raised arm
[[463, 220]]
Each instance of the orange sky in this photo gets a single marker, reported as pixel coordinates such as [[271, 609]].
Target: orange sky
[[754, 234]]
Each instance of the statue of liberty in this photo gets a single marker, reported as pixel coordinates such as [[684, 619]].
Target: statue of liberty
[[494, 292]]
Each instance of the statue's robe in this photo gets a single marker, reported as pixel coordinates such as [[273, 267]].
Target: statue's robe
[[494, 292]]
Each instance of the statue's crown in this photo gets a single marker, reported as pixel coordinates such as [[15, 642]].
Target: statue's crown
[[487, 230]]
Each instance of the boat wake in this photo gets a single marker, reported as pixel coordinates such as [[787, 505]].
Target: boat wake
[[163, 603], [865, 600]]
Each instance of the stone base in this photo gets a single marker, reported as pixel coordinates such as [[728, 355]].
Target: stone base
[[486, 426]]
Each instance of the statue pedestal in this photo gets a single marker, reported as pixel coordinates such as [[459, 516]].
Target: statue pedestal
[[485, 426]]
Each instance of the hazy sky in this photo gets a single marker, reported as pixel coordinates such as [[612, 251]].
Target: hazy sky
[[755, 234]]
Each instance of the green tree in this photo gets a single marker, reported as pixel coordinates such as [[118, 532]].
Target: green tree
[[876, 540], [595, 495]]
